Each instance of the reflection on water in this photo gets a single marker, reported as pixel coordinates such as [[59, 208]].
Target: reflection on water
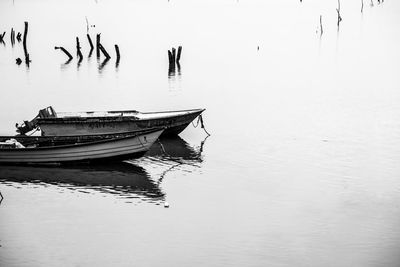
[[175, 148], [102, 64], [123, 179], [172, 154], [127, 180]]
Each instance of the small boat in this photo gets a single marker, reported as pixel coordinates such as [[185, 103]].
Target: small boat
[[53, 123], [75, 149]]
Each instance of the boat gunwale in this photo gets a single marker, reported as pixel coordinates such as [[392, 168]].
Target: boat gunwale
[[121, 118], [125, 136]]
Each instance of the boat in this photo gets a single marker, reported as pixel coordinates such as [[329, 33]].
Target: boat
[[52, 123], [76, 149]]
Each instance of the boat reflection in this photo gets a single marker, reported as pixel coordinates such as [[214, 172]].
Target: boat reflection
[[172, 154], [123, 179], [175, 148]]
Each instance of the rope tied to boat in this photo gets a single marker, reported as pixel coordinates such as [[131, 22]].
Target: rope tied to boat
[[200, 120]]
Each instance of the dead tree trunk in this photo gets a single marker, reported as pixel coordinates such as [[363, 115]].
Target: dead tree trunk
[[65, 51], [78, 50], [2, 37], [98, 45], [171, 58], [320, 24], [178, 57], [12, 35], [91, 44], [174, 54], [103, 50], [339, 19], [27, 60], [117, 52]]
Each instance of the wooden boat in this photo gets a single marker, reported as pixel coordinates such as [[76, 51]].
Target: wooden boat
[[53, 123], [75, 149]]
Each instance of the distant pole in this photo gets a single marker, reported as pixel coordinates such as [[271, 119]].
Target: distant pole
[[27, 60], [65, 51], [103, 50], [12, 36], [173, 54], [91, 44], [98, 45], [320, 24], [78, 50], [178, 57], [338, 13], [117, 52], [170, 58], [2, 37]]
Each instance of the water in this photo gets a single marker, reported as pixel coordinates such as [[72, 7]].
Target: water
[[301, 168]]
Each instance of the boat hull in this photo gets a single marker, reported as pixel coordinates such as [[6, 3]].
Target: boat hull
[[115, 124], [105, 150]]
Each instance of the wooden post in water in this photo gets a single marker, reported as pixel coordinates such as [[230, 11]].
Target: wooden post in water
[[173, 55], [65, 51], [178, 57], [117, 52], [2, 37], [103, 50], [339, 19], [170, 58], [27, 60], [91, 44], [98, 45], [12, 35], [320, 24], [78, 50], [171, 66]]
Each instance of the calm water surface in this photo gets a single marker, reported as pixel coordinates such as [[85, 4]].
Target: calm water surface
[[302, 167]]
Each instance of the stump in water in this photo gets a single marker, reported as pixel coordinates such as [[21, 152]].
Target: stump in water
[[118, 55], [19, 37], [18, 61], [174, 54], [65, 51], [27, 60], [2, 37], [91, 45], [98, 45], [320, 24], [339, 19], [78, 50], [178, 57], [12, 36], [103, 50], [171, 59]]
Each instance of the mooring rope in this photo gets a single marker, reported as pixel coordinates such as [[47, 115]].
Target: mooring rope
[[200, 120], [162, 147], [202, 124], [197, 124]]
